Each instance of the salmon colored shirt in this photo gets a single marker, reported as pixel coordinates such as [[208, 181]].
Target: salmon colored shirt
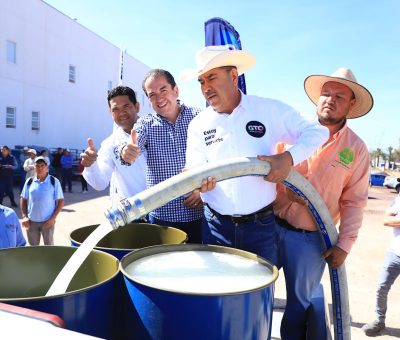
[[339, 171]]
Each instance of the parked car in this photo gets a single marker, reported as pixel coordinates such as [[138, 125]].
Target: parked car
[[377, 179], [392, 182]]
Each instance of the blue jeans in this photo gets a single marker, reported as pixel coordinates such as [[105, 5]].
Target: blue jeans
[[258, 237], [389, 273], [300, 256], [191, 228]]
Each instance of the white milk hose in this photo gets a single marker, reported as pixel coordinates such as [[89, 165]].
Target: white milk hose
[[141, 204]]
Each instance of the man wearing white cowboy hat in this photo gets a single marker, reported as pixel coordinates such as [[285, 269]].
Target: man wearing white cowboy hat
[[239, 210], [339, 171]]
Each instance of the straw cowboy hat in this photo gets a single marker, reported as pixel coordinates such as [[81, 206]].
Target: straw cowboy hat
[[364, 101], [211, 57]]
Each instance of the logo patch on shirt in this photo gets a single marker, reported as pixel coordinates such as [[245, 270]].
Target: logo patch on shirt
[[346, 156], [255, 129]]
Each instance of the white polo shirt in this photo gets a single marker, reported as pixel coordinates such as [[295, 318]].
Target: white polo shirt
[[128, 179], [254, 128]]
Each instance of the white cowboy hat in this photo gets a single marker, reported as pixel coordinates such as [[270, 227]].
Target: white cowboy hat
[[211, 57], [364, 101]]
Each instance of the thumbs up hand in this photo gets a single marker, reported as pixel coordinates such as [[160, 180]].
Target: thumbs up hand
[[89, 156], [131, 151]]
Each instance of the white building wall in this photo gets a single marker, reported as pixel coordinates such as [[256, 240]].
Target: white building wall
[[47, 42]]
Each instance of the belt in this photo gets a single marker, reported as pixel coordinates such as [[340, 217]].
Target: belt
[[239, 219], [285, 224]]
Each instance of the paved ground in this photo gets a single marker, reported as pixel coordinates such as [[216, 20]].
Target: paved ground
[[363, 265]]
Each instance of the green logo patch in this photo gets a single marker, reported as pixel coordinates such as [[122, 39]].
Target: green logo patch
[[346, 155]]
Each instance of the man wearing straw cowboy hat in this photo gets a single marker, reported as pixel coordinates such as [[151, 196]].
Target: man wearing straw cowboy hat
[[339, 171], [239, 210]]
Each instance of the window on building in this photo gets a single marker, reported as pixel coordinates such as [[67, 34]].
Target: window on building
[[110, 86], [35, 120], [11, 52], [72, 74], [10, 117]]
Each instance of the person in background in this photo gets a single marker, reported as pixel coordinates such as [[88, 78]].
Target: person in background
[[24, 155], [45, 154], [8, 164], [339, 171], [56, 163], [390, 270], [66, 162], [162, 135], [83, 180], [239, 211], [105, 165], [29, 164], [41, 202], [10, 230]]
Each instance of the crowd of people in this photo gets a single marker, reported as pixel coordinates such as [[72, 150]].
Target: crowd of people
[[41, 197], [257, 214]]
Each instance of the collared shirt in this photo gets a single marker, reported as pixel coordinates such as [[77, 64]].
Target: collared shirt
[[42, 197], [254, 128], [165, 144], [129, 179], [339, 171], [10, 230]]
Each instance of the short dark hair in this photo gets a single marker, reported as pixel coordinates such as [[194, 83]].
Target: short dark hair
[[158, 72], [122, 91]]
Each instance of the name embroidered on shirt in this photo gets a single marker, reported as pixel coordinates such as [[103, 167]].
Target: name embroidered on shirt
[[210, 137]]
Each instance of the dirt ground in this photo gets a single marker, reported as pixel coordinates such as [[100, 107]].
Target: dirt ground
[[363, 264]]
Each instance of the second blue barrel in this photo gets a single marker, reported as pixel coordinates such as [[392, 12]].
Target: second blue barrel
[[130, 237], [202, 292]]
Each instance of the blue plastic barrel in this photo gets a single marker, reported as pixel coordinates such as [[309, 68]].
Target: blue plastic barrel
[[161, 313], [132, 236], [120, 242], [88, 305]]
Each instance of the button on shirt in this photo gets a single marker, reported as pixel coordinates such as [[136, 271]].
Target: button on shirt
[[42, 198], [339, 171], [10, 229], [129, 179], [254, 128], [165, 144]]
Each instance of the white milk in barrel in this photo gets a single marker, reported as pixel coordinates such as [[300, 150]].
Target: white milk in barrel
[[200, 272]]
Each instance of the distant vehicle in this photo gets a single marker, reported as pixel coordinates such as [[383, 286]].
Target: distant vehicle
[[392, 182], [377, 179]]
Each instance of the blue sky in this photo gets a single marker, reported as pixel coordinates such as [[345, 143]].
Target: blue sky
[[291, 39]]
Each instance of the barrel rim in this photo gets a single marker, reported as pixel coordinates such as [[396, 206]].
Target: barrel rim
[[122, 249], [73, 292], [160, 249]]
